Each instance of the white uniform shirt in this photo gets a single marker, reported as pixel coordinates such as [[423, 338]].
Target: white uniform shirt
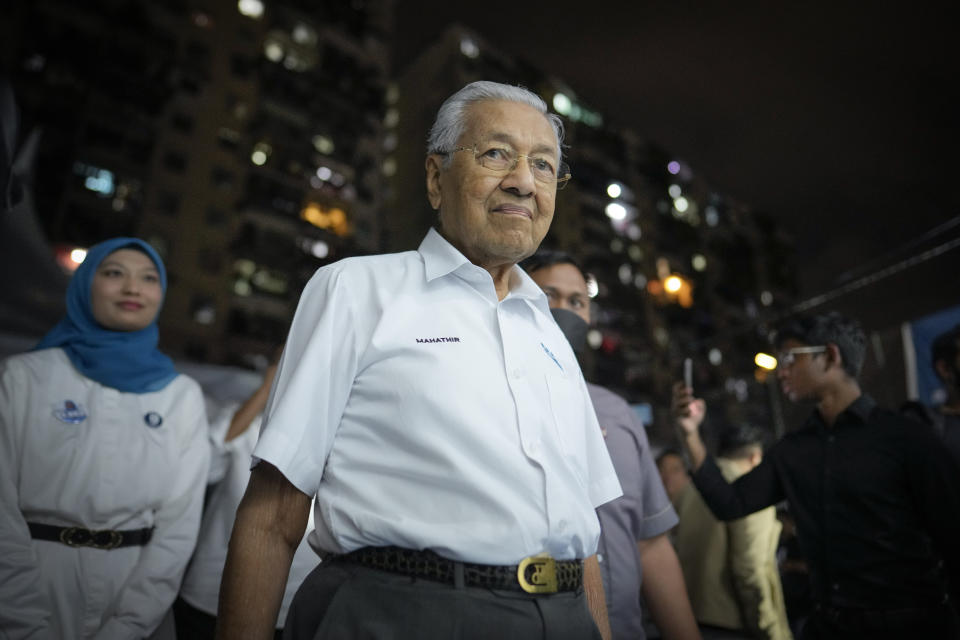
[[425, 413], [76, 453], [201, 585]]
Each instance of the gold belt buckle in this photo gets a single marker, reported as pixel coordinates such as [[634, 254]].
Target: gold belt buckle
[[538, 574]]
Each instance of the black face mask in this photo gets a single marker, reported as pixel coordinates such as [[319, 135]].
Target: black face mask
[[573, 326]]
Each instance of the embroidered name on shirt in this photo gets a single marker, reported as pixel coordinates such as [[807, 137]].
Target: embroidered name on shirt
[[438, 340], [552, 357]]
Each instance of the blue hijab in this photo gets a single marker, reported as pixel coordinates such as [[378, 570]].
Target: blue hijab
[[125, 360]]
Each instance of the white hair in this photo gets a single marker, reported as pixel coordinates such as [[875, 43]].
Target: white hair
[[451, 118]]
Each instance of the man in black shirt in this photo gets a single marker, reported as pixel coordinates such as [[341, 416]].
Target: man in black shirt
[[876, 500]]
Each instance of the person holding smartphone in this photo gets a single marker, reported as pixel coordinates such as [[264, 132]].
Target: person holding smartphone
[[876, 499]]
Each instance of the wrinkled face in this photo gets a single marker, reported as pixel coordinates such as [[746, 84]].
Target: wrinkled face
[[125, 294], [804, 377], [495, 219], [565, 288]]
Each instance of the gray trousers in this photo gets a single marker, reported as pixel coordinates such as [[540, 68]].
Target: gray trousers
[[344, 601]]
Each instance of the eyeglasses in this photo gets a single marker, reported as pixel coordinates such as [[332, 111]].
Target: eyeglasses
[[787, 358], [504, 161]]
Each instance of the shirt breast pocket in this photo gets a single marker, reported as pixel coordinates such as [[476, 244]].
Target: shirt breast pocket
[[569, 420]]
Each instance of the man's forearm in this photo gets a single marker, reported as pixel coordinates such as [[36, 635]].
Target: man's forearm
[[596, 599], [252, 586], [267, 531], [664, 590], [696, 450]]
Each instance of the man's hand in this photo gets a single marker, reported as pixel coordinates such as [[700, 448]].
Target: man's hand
[[688, 412]]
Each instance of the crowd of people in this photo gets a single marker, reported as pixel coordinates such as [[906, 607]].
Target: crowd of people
[[424, 459]]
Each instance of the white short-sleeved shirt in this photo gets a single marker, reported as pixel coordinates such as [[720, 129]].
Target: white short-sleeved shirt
[[425, 413], [76, 453]]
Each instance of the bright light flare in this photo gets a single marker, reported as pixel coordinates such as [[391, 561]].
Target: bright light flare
[[672, 284], [78, 256], [765, 361], [616, 211]]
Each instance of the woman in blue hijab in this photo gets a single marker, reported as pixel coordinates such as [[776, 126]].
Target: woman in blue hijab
[[103, 461]]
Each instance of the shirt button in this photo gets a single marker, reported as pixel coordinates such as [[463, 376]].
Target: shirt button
[[534, 447], [599, 557], [562, 526], [518, 373]]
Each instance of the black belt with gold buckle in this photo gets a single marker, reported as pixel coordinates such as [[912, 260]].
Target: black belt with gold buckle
[[80, 537], [536, 574]]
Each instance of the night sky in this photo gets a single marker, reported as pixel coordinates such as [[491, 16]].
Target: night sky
[[837, 119]]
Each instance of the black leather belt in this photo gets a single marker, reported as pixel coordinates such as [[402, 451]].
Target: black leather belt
[[80, 537], [536, 574]]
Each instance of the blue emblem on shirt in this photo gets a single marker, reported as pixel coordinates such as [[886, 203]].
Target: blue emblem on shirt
[[70, 413], [153, 419], [552, 357]]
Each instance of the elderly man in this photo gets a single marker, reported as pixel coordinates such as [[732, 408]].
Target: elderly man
[[437, 412], [636, 556]]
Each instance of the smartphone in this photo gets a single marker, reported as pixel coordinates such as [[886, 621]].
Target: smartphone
[[688, 373]]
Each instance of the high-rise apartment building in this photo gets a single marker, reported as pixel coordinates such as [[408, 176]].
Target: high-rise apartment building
[[244, 140]]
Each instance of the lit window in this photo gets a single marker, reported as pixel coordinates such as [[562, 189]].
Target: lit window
[[304, 34], [323, 144], [561, 104], [261, 153], [469, 48], [251, 8], [393, 94], [594, 338], [391, 118], [712, 216], [273, 50], [593, 287], [616, 211]]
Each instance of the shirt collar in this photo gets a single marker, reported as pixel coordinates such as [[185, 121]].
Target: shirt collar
[[440, 258], [857, 412]]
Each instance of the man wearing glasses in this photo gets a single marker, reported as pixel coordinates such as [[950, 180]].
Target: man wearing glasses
[[875, 497], [438, 414]]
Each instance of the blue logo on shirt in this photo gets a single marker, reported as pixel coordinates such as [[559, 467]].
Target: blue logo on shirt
[[552, 357], [70, 413], [153, 419]]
